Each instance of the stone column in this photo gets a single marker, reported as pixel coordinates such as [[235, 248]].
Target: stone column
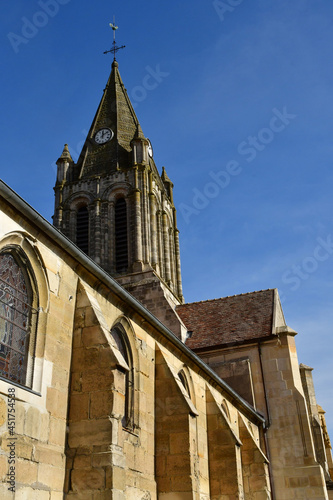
[[172, 259], [160, 243], [145, 216], [137, 223], [177, 257], [153, 223], [166, 247], [111, 242], [96, 232]]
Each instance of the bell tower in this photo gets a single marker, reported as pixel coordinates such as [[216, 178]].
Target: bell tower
[[117, 208]]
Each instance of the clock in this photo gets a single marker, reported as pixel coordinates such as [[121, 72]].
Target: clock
[[150, 149], [103, 135]]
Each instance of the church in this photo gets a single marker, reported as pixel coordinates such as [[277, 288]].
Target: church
[[112, 386]]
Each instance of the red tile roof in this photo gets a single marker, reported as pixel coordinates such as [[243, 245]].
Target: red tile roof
[[229, 320]]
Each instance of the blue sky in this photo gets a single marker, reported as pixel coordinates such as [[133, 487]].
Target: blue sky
[[240, 116]]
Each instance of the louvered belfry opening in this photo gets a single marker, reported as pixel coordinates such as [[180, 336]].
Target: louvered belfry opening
[[121, 235], [82, 229]]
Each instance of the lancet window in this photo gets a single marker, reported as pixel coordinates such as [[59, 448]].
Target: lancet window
[[123, 345]]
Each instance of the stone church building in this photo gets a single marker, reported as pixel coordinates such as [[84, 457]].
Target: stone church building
[[111, 386]]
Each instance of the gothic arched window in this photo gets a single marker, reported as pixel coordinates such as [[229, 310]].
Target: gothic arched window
[[123, 345], [225, 408], [18, 318], [184, 381], [82, 229], [121, 235]]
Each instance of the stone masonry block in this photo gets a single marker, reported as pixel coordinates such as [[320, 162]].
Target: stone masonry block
[[179, 442], [3, 466], [49, 455], [44, 427], [79, 407], [78, 357], [26, 472], [24, 447], [32, 423], [101, 404], [58, 353], [92, 479], [90, 432], [97, 380], [116, 478], [90, 317], [106, 357], [57, 432], [56, 495], [77, 342], [181, 483], [103, 459], [82, 462], [60, 378], [56, 402], [29, 493], [178, 465], [20, 412], [52, 477], [92, 336]]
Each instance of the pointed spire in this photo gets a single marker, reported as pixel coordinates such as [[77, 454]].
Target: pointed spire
[[64, 163], [165, 177], [116, 113], [167, 183], [139, 134], [65, 155]]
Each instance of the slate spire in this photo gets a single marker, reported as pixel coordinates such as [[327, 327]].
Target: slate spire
[[115, 112]]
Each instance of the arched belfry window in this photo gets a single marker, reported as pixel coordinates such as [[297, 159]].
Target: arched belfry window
[[18, 319], [82, 229], [121, 235], [123, 345]]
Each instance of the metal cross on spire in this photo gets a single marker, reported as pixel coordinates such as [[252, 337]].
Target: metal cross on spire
[[114, 46]]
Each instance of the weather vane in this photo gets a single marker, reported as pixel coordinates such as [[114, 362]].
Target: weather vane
[[114, 46]]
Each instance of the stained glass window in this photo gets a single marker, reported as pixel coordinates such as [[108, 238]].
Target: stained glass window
[[15, 319]]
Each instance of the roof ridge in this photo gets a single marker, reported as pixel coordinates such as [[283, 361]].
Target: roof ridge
[[227, 297]]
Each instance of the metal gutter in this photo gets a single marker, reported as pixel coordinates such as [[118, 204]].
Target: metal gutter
[[28, 212]]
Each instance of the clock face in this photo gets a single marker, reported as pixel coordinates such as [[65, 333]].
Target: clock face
[[103, 135], [150, 149]]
